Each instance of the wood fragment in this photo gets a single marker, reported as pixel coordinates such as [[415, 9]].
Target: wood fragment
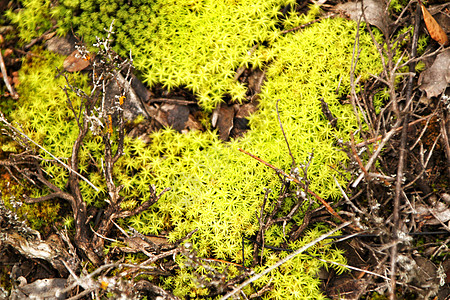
[[326, 111]]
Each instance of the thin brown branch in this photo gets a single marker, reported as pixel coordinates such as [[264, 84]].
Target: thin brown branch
[[10, 88], [279, 171], [47, 197], [377, 152], [356, 156], [398, 129], [261, 231], [43, 36], [306, 219], [445, 140], [396, 208], [402, 159], [284, 135], [263, 290]]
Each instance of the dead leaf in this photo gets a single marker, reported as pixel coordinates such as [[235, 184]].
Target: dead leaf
[[446, 198], [7, 52], [436, 78], [256, 80], [346, 288], [241, 123], [441, 14], [49, 35], [225, 121], [177, 115], [374, 11], [425, 274], [141, 90], [193, 124], [133, 105], [446, 267], [74, 62], [15, 78], [434, 29], [436, 215]]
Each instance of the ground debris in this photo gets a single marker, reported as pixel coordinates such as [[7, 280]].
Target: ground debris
[[436, 78], [374, 13]]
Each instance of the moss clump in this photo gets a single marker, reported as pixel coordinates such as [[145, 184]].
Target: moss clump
[[197, 44], [218, 190], [215, 188], [40, 216], [44, 114], [33, 20], [187, 43]]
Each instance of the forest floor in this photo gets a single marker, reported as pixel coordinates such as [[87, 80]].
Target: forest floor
[[400, 195]]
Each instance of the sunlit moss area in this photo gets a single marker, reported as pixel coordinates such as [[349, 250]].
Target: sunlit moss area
[[214, 188]]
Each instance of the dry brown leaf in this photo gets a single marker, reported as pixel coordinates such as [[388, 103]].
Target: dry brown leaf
[[436, 78], [15, 78], [434, 29], [74, 62], [439, 213], [424, 273], [374, 11], [7, 52], [225, 122], [177, 115]]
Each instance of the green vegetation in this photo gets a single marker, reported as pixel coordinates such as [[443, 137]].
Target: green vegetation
[[397, 5], [33, 20], [214, 188]]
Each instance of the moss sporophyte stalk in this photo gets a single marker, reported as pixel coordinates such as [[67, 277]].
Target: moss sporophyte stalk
[[214, 188]]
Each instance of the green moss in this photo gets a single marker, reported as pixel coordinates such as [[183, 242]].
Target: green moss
[[42, 113], [422, 44], [173, 42], [215, 188], [397, 5], [218, 190], [7, 104], [32, 20], [39, 215], [379, 98]]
